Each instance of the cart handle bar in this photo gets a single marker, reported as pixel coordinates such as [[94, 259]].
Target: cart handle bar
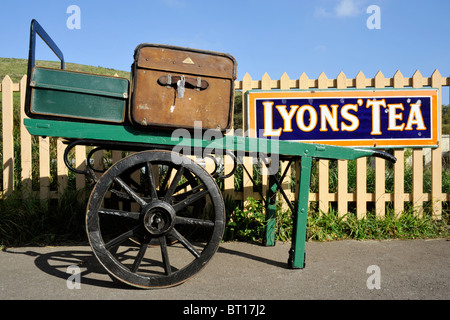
[[36, 28], [384, 155]]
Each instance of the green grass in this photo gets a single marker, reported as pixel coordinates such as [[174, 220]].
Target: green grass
[[328, 227], [248, 224], [32, 221]]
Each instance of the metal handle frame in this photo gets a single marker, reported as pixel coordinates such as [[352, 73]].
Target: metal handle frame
[[36, 28]]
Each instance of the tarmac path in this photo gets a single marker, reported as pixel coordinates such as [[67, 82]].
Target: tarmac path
[[338, 270]]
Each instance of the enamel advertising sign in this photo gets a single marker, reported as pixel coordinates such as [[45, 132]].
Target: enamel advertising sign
[[377, 118]]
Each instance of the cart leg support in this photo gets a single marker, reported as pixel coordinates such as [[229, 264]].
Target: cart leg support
[[269, 234], [297, 251]]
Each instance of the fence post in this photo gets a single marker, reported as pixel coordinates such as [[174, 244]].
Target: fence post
[[399, 166], [80, 158], [380, 166], [62, 171], [44, 168], [269, 232], [247, 186], [323, 165], [25, 143], [285, 85], [436, 157], [417, 161], [361, 167], [303, 83], [342, 165], [7, 133], [228, 184]]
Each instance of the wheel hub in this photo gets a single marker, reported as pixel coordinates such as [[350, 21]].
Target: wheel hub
[[159, 217]]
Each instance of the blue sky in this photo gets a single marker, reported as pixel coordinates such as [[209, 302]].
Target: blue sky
[[274, 36]]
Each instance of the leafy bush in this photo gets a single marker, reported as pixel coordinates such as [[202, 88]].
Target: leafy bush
[[245, 224]]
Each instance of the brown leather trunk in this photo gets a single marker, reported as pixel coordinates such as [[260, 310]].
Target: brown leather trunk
[[172, 87]]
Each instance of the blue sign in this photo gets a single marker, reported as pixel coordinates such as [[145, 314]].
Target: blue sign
[[373, 118]]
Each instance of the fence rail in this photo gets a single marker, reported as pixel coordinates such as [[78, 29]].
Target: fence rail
[[20, 153]]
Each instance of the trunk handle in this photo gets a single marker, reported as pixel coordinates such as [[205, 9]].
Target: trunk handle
[[190, 83]]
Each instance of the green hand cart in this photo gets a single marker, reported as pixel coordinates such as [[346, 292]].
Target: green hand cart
[[156, 217]]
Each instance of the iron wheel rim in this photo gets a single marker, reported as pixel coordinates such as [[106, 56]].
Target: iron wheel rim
[[105, 253]]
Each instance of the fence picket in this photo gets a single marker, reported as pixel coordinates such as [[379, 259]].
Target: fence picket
[[380, 80], [80, 164], [303, 81], [25, 141], [44, 168], [7, 133], [228, 166], [62, 170], [399, 166], [284, 85], [247, 186], [417, 161], [323, 165], [436, 157], [342, 165], [285, 82], [380, 166], [361, 166], [246, 85]]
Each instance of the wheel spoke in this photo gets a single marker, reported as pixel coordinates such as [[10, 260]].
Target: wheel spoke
[[131, 192], [122, 238], [140, 254], [174, 184], [182, 186], [165, 256], [132, 182], [194, 222], [152, 185], [120, 213], [186, 194], [166, 178], [185, 243], [189, 200]]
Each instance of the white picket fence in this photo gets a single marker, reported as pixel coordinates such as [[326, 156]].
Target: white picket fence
[[342, 196]]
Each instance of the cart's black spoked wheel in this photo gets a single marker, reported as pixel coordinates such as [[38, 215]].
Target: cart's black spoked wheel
[[186, 206], [165, 173]]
